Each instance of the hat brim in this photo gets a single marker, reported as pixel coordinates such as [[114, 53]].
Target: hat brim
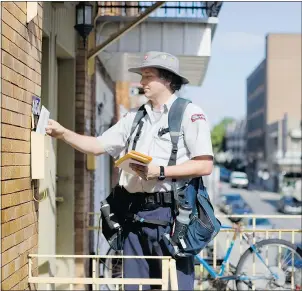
[[137, 70]]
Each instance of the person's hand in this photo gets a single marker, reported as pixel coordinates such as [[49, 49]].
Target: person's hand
[[55, 129], [147, 173]]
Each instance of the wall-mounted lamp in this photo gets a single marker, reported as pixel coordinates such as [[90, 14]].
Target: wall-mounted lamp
[[84, 21]]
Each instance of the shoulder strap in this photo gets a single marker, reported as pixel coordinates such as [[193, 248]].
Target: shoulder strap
[[140, 114], [174, 121]]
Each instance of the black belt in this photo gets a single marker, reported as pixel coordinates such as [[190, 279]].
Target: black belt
[[150, 201], [159, 198]]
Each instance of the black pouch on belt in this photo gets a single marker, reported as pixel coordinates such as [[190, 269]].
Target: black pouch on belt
[[113, 211]]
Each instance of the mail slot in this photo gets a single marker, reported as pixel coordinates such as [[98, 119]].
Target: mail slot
[[37, 155]]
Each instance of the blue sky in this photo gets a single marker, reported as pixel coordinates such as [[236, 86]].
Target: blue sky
[[238, 47]]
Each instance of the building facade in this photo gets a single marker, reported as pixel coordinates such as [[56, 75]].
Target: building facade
[[235, 143], [255, 123], [21, 52], [285, 157], [44, 57], [273, 89]]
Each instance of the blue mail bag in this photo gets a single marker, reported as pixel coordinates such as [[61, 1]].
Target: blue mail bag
[[203, 226]]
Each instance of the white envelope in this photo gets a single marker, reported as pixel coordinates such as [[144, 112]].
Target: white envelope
[[43, 121]]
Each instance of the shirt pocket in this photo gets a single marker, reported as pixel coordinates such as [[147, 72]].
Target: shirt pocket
[[164, 144], [164, 135]]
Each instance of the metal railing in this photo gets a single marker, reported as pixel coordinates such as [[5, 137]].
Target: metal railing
[[219, 247], [292, 235], [168, 273], [181, 9]]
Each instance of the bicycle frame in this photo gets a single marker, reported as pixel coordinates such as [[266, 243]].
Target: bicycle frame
[[210, 269], [219, 275]]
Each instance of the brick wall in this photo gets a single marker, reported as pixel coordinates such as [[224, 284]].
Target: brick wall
[[92, 174], [85, 108], [21, 78]]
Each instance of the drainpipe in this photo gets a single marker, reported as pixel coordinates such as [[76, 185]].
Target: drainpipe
[[115, 36]]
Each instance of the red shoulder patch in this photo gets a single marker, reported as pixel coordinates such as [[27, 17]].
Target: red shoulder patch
[[195, 117]]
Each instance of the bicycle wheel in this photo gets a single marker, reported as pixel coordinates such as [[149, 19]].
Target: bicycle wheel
[[284, 260], [113, 268]]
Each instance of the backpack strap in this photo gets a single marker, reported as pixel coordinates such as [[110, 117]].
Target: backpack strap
[[138, 133], [140, 114], [174, 121]]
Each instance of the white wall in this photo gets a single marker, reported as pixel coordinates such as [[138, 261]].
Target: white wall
[[190, 41], [179, 37], [58, 43], [60, 20], [102, 186], [65, 243], [47, 207]]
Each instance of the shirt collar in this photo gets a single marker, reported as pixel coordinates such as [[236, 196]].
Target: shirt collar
[[166, 106], [169, 103]]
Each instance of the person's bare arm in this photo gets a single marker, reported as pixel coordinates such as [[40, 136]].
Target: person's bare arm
[[196, 167], [82, 143]]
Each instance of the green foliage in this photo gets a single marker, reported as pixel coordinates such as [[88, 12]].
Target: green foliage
[[218, 134]]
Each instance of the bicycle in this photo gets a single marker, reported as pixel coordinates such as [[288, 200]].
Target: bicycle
[[262, 273]]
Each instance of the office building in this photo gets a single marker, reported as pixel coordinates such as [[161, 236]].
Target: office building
[[273, 90]]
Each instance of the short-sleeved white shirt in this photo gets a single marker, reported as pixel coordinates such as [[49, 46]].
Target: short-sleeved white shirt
[[194, 140]]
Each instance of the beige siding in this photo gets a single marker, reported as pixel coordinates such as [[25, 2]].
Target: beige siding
[[283, 76]]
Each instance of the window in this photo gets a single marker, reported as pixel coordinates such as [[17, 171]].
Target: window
[[255, 104], [255, 123]]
